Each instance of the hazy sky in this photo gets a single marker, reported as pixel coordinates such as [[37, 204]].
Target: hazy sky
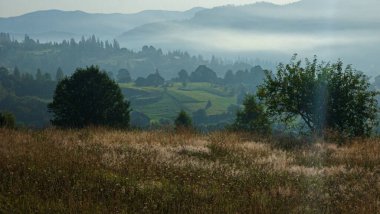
[[18, 7]]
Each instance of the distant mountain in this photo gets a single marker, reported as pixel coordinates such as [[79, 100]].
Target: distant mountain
[[332, 29], [57, 25]]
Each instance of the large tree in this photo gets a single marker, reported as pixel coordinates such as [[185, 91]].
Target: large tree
[[203, 74], [323, 95], [89, 97]]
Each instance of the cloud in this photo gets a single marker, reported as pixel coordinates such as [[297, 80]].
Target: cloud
[[227, 40]]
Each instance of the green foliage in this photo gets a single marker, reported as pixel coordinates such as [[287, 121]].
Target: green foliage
[[29, 55], [7, 120], [203, 74], [151, 80], [324, 95], [25, 97], [252, 77], [89, 97], [29, 111], [252, 118], [183, 121]]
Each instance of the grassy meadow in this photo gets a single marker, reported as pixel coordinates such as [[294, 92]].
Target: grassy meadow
[[97, 170]]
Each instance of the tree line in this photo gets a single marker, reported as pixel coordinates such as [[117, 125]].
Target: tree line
[[321, 96], [30, 55]]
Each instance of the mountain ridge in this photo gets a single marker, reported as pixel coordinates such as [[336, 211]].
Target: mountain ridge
[[79, 23], [331, 29]]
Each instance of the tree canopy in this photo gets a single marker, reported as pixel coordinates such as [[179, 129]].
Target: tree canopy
[[203, 74], [89, 97], [324, 95], [154, 79]]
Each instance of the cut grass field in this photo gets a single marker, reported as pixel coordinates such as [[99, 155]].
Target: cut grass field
[[159, 103], [109, 171]]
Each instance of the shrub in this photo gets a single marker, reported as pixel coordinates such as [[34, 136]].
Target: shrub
[[183, 121], [252, 117]]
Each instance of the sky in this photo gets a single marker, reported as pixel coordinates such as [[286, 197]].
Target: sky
[[18, 7]]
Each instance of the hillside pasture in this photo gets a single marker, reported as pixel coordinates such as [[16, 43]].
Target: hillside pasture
[[165, 102]]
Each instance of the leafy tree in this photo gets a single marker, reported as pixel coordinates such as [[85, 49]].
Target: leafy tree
[[252, 117], [123, 76], [155, 79], [7, 120], [183, 121], [152, 80], [323, 95], [89, 97], [203, 74]]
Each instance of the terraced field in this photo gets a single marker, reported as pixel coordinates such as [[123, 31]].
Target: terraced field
[[165, 102]]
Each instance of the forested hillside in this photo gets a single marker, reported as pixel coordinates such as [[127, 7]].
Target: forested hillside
[[210, 91], [29, 55]]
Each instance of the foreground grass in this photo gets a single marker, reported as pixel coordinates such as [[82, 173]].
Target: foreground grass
[[107, 171]]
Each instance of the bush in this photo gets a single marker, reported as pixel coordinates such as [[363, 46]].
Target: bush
[[89, 97], [252, 118], [183, 121]]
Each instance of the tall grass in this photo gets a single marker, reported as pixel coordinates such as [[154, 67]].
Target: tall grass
[[106, 171]]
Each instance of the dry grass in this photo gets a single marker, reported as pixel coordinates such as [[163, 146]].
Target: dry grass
[[108, 171]]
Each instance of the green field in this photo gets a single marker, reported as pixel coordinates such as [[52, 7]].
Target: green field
[[164, 103]]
